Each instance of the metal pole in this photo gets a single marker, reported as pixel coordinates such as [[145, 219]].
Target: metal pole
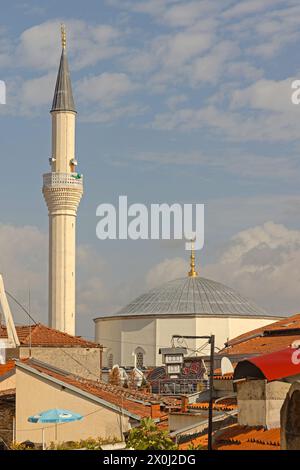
[[14, 430], [211, 393]]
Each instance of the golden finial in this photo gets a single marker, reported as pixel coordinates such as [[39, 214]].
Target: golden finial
[[192, 272], [63, 35]]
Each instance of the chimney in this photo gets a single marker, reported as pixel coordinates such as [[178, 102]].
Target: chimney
[[155, 410], [184, 403]]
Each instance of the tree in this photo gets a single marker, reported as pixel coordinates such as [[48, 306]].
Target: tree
[[148, 437], [114, 376]]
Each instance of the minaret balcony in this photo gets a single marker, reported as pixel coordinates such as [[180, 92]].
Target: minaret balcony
[[60, 180]]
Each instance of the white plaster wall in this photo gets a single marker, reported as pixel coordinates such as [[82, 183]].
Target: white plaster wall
[[138, 333], [238, 326], [108, 333], [35, 394]]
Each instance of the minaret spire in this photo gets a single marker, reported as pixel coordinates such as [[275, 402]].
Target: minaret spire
[[63, 95], [192, 272]]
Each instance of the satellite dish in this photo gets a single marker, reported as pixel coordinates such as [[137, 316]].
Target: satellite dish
[[226, 366]]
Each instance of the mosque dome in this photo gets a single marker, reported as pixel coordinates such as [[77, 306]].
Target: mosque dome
[[192, 296]]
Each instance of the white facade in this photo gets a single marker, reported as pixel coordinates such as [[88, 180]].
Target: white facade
[[124, 337]]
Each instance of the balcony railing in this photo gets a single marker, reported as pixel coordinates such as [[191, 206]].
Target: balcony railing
[[53, 180]]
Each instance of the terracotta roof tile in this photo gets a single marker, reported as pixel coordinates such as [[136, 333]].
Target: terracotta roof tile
[[41, 335], [266, 339], [216, 406], [261, 345], [244, 437], [4, 368], [197, 441]]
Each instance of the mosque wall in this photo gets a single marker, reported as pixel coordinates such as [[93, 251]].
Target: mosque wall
[[123, 337], [238, 326]]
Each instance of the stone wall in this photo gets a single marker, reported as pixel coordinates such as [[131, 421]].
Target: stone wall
[[84, 362], [259, 402], [290, 419], [7, 413]]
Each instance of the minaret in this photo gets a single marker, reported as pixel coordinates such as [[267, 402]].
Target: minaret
[[62, 189]]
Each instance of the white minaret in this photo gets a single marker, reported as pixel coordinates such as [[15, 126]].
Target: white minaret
[[62, 189]]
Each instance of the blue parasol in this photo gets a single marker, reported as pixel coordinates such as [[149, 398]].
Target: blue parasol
[[54, 416]]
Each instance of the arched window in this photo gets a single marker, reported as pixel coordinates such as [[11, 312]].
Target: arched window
[[139, 357], [139, 360], [110, 360]]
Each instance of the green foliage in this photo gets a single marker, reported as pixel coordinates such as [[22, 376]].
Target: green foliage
[[88, 444], [19, 446], [192, 446], [148, 437]]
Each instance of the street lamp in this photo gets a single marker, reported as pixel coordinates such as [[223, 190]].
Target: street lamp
[[211, 341]]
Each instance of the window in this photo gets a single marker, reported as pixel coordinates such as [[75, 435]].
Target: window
[[139, 360], [172, 358], [173, 369], [110, 360]]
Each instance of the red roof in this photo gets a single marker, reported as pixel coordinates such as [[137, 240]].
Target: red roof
[[274, 366], [266, 339], [43, 336], [238, 437], [4, 368]]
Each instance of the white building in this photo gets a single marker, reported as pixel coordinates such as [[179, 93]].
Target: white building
[[188, 306]]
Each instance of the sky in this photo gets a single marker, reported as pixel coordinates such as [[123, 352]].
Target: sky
[[178, 101]]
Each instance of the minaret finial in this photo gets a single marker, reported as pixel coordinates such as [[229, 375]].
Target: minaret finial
[[192, 272], [63, 36]]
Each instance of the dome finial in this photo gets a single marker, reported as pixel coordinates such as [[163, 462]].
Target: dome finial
[[63, 35], [192, 272]]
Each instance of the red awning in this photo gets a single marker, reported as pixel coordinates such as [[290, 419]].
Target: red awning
[[273, 366]]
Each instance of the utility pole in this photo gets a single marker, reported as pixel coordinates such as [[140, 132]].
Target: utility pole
[[211, 391], [211, 340]]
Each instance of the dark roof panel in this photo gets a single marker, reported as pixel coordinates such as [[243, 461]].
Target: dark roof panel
[[63, 96]]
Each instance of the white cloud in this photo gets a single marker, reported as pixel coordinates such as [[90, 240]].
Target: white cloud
[[234, 125], [166, 270], [106, 88], [270, 95], [39, 46], [263, 263], [258, 166], [24, 267], [249, 7]]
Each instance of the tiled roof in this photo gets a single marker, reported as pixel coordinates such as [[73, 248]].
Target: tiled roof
[[267, 339], [41, 335], [197, 441], [4, 368], [135, 402], [238, 437], [226, 405]]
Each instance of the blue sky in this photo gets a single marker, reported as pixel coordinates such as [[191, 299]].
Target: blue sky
[[178, 101]]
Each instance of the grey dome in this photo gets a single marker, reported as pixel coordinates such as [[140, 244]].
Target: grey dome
[[192, 296]]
